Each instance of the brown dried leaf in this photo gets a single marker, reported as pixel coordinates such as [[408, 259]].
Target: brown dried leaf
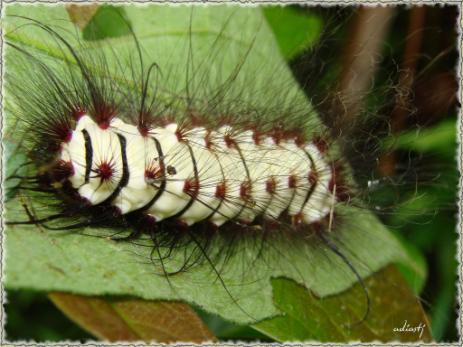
[[133, 319], [81, 14]]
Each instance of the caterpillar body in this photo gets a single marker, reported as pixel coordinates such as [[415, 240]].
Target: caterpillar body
[[169, 173]]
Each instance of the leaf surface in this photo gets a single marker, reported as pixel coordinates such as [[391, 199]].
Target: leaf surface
[[394, 315], [295, 31]]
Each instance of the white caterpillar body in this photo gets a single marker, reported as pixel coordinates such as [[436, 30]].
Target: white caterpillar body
[[204, 175]]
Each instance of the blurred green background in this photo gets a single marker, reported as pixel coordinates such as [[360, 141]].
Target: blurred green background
[[411, 55]]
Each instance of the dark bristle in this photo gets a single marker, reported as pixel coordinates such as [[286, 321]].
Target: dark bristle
[[153, 173], [320, 143], [195, 119], [105, 171], [343, 192], [62, 170], [180, 133], [143, 130], [78, 113], [103, 113], [145, 122], [191, 187], [60, 131]]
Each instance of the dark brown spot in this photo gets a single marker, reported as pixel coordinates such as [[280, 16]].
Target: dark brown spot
[[272, 224], [211, 226], [277, 134], [334, 178], [103, 114], [78, 113], [62, 131], [256, 137], [68, 137], [271, 185], [104, 125], [342, 191], [229, 141], [191, 187], [320, 143], [317, 227], [181, 226], [207, 140], [313, 176], [245, 190], [220, 190], [195, 118], [149, 220], [171, 170], [105, 171], [292, 181], [180, 135], [115, 211], [143, 129], [297, 219], [299, 140], [145, 123], [331, 184], [153, 173]]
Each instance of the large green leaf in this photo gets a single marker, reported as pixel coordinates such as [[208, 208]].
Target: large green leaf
[[440, 138], [69, 261], [295, 31]]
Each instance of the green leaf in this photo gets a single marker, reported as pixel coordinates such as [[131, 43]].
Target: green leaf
[[72, 262], [325, 320], [440, 138], [14, 167], [445, 304], [416, 280], [107, 22], [294, 30], [75, 262]]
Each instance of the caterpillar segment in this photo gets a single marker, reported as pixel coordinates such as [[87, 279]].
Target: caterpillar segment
[[198, 175]]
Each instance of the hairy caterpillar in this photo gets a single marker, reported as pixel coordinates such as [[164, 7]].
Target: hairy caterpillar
[[136, 169], [191, 142]]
